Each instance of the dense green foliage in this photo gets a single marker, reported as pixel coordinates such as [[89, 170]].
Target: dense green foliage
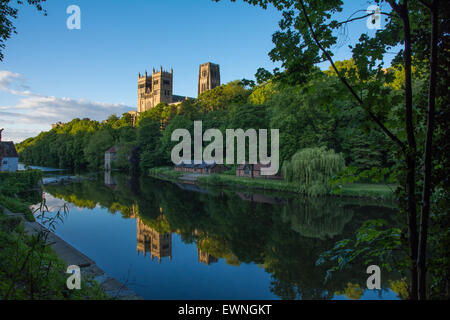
[[18, 191], [407, 102], [324, 119], [313, 168]]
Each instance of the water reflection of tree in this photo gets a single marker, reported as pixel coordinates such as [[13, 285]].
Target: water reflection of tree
[[286, 239], [314, 217]]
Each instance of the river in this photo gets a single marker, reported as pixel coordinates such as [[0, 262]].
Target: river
[[175, 241]]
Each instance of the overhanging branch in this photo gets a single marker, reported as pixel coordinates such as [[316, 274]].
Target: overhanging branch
[[349, 87]]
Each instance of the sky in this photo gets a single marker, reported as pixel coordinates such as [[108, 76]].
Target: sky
[[51, 73]]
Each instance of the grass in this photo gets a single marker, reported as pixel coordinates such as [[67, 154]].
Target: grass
[[369, 190], [366, 190], [229, 180], [167, 173], [17, 206], [16, 189]]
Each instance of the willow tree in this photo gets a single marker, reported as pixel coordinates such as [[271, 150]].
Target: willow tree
[[312, 168]]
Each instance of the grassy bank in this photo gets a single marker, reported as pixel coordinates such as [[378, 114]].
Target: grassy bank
[[18, 190], [165, 173], [363, 190], [368, 190], [375, 191]]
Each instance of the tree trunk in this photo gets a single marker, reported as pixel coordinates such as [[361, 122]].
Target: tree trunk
[[426, 192], [410, 155]]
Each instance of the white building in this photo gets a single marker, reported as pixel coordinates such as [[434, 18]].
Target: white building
[[9, 160], [110, 157]]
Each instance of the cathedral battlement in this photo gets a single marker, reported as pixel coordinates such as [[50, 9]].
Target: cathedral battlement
[[157, 87]]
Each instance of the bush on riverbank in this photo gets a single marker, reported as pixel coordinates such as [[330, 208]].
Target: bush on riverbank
[[30, 269], [12, 183], [15, 188], [17, 206]]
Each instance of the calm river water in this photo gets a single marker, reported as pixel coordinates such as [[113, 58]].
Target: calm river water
[[174, 241]]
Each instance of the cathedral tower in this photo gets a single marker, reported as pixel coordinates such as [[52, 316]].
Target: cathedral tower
[[154, 89], [144, 87], [208, 77]]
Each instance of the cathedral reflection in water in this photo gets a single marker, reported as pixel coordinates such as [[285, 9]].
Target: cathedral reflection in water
[[159, 245]]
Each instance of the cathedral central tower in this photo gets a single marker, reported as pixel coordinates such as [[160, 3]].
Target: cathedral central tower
[[208, 77]]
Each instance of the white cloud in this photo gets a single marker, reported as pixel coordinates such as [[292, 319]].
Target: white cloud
[[39, 112], [13, 82]]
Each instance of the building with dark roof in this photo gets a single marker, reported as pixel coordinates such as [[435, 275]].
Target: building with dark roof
[[9, 159], [254, 171], [110, 156], [201, 168]]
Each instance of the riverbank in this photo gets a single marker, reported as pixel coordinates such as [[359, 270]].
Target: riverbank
[[95, 283], [35, 259], [359, 190]]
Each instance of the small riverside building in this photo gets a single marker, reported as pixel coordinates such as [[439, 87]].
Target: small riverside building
[[110, 156], [9, 159], [201, 168], [254, 171]]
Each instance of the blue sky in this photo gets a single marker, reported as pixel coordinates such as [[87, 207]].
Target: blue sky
[[51, 73]]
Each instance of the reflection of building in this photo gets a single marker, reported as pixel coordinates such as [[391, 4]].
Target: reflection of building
[[134, 211], [149, 240], [260, 198], [205, 257], [191, 187], [110, 181]]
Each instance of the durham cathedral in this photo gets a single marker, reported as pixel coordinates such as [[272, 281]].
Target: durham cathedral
[[158, 87]]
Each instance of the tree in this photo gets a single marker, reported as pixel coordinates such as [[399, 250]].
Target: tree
[[148, 140], [179, 122], [95, 149], [7, 13], [306, 38], [263, 92], [223, 96], [312, 169]]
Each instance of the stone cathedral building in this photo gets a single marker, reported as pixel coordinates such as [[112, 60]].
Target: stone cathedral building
[[158, 87]]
